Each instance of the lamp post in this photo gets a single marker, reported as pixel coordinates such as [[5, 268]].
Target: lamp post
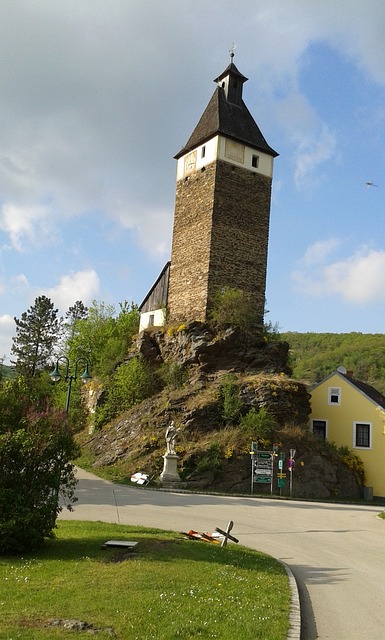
[[69, 377]]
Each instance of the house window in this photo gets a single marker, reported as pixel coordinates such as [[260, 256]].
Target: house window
[[362, 435], [255, 162], [334, 395], [151, 320], [319, 429], [203, 151]]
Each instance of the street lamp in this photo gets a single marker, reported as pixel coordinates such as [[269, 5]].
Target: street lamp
[[56, 375]]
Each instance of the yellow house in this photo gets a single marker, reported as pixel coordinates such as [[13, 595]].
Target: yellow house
[[352, 413]]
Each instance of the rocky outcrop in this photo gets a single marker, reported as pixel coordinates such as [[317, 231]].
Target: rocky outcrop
[[214, 455], [196, 344]]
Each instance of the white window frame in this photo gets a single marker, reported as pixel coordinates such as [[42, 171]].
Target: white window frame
[[355, 424], [319, 420], [334, 391]]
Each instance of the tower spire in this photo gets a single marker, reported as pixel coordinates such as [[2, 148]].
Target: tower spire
[[231, 51]]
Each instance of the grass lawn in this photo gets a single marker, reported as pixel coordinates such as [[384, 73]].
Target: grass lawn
[[172, 589]]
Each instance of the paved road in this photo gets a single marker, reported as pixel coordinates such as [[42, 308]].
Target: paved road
[[336, 552]]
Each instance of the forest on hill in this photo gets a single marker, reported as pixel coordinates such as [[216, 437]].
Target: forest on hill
[[313, 356]]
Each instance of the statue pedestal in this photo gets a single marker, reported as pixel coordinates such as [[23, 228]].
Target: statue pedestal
[[170, 474]]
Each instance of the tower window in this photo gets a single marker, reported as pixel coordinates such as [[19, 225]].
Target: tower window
[[255, 162], [203, 152]]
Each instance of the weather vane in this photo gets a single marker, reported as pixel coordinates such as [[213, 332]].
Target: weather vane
[[231, 51]]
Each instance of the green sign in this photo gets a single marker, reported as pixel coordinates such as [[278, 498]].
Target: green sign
[[264, 455], [262, 479], [281, 483]]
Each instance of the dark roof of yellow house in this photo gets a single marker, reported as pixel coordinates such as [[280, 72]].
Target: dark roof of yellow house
[[367, 389], [363, 387]]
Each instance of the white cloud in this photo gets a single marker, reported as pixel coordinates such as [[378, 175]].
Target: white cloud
[[82, 285], [312, 151], [318, 252], [7, 331], [358, 279], [26, 225]]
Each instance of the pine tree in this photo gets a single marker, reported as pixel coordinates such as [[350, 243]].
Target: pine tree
[[37, 333], [71, 323]]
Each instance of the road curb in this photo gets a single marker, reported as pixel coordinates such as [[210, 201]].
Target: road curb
[[295, 607]]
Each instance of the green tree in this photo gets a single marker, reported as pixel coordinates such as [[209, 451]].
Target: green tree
[[37, 333], [103, 338], [132, 382], [73, 316], [36, 446]]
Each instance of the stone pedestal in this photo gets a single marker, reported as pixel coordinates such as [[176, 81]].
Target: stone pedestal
[[170, 474]]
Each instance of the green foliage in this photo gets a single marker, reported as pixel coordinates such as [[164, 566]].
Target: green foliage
[[258, 425], [104, 338], [132, 382], [232, 307], [348, 458], [173, 374], [36, 445], [37, 333], [271, 331], [231, 403], [315, 355], [210, 460]]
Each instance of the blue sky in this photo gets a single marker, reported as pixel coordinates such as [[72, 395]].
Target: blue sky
[[96, 98]]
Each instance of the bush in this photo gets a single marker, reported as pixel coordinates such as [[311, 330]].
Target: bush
[[211, 460], [232, 307], [173, 374], [129, 385], [230, 399], [258, 425], [34, 472]]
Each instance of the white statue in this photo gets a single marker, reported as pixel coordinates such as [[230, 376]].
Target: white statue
[[171, 434]]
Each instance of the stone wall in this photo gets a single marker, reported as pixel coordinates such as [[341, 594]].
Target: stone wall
[[220, 238]]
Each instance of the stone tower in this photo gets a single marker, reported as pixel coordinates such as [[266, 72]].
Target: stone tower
[[222, 207]]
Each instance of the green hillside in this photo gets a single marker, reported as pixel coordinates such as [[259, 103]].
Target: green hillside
[[6, 372], [313, 356]]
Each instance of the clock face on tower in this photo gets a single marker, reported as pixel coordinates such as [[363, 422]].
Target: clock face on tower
[[189, 162]]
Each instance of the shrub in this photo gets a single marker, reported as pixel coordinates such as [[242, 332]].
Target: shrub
[[210, 460], [131, 383], [173, 374], [232, 307], [231, 404], [258, 425], [34, 472]]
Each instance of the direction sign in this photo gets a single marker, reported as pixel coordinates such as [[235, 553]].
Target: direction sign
[[264, 455]]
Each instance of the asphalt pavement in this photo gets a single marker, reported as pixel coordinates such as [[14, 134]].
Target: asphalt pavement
[[335, 551]]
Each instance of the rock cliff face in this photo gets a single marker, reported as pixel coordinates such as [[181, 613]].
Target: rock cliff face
[[196, 344], [214, 455]]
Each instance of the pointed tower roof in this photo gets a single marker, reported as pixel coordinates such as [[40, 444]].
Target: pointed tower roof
[[226, 114]]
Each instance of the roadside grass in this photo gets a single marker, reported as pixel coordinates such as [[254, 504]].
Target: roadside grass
[[172, 588]]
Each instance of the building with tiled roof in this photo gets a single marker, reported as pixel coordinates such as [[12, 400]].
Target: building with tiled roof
[[351, 413], [222, 209]]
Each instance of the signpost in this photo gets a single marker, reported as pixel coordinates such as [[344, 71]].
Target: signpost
[[290, 466], [261, 467]]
